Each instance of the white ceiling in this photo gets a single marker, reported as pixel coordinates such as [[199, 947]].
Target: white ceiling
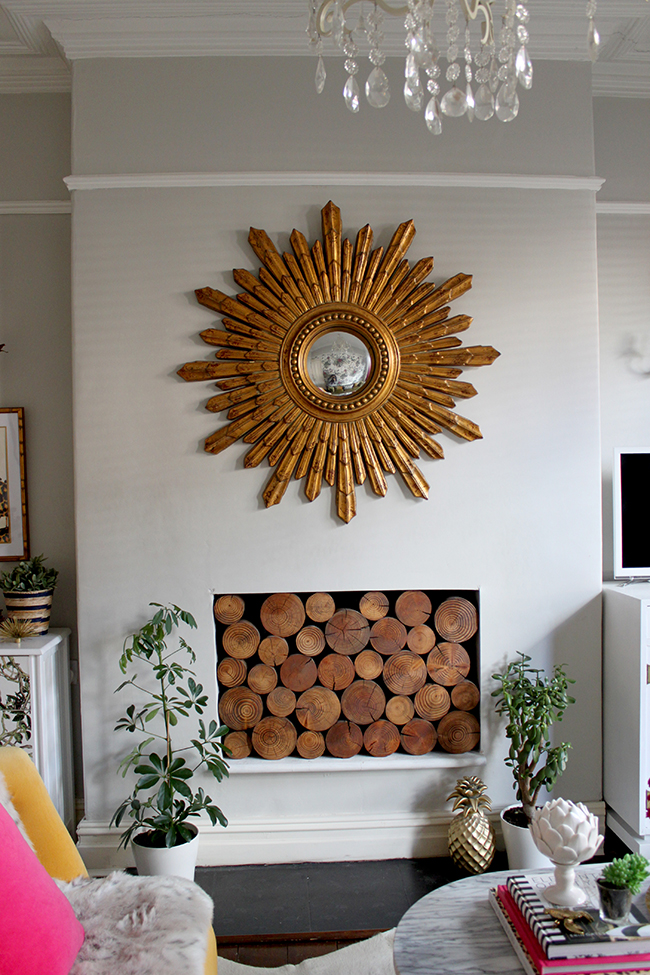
[[40, 38]]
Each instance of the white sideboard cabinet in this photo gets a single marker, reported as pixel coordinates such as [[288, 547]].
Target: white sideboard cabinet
[[46, 659], [626, 711]]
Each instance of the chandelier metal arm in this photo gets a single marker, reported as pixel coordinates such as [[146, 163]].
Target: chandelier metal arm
[[326, 11], [471, 9]]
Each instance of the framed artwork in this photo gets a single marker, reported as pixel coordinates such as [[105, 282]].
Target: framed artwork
[[14, 533]]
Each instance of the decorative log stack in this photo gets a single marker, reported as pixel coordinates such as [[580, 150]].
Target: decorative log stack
[[298, 675]]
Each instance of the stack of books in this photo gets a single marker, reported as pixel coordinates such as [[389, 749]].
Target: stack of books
[[547, 946]]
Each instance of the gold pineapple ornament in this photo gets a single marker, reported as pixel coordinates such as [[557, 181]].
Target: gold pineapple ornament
[[471, 835]]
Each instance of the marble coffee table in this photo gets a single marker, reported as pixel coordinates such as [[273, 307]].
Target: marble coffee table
[[454, 931]]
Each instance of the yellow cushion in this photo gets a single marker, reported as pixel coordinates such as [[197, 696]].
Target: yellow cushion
[[53, 844]]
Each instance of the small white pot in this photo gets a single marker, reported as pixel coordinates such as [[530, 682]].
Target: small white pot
[[520, 847], [173, 861]]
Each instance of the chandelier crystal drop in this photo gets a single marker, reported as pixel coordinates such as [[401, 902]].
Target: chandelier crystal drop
[[494, 49]]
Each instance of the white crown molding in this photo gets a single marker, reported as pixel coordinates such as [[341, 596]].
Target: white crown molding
[[34, 206], [25, 75], [497, 181], [621, 208]]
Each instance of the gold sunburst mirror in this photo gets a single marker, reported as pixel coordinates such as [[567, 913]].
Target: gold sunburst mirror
[[338, 363]]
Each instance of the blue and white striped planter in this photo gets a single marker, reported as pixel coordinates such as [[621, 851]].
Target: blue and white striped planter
[[33, 606]]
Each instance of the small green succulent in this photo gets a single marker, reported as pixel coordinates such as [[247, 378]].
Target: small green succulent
[[628, 871], [30, 575]]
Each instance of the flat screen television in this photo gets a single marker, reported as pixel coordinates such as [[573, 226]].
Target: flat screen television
[[631, 496]]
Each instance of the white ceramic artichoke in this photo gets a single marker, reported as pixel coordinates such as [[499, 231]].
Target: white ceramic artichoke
[[567, 833]]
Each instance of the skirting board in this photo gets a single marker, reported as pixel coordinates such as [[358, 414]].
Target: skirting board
[[315, 841]]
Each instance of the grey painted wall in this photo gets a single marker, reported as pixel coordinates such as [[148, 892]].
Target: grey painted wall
[[517, 514], [622, 138], [35, 326], [232, 114]]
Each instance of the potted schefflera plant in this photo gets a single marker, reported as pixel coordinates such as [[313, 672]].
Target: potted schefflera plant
[[28, 589], [619, 882], [164, 797], [531, 702]]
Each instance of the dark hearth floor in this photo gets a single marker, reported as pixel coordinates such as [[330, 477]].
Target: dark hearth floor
[[274, 913]]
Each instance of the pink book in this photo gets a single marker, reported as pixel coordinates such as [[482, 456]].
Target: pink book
[[558, 966]]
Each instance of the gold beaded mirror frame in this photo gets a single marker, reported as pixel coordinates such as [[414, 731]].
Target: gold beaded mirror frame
[[338, 363]]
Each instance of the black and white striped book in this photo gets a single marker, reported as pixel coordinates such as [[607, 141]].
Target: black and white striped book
[[595, 937]]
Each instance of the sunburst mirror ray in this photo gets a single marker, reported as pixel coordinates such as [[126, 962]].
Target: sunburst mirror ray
[[338, 363]]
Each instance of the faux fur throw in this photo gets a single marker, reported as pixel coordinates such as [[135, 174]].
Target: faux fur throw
[[5, 800], [140, 925]]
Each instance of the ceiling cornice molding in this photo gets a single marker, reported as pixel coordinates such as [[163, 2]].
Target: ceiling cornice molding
[[32, 75], [206, 28]]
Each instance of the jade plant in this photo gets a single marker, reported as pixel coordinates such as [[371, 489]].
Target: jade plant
[[164, 796], [30, 575], [627, 872], [532, 702]]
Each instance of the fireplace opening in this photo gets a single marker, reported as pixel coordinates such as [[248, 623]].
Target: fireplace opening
[[346, 673]]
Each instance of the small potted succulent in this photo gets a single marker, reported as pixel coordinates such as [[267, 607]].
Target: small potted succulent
[[164, 797], [619, 882], [531, 701], [28, 589]]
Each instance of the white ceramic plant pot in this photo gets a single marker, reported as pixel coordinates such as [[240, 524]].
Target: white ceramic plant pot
[[173, 861], [520, 847]]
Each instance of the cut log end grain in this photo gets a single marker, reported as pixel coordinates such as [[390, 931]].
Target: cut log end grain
[[336, 672], [448, 664], [458, 732], [310, 744], [400, 709], [318, 709], [282, 614], [432, 702], [237, 744], [418, 737], [421, 639], [281, 702], [368, 664], [262, 678], [274, 738], [231, 672], [229, 609], [413, 608], [240, 708], [273, 651], [374, 605], [405, 672], [347, 632], [363, 702], [344, 739], [381, 738], [240, 640], [388, 635], [310, 641], [298, 672], [456, 620], [320, 607], [465, 696]]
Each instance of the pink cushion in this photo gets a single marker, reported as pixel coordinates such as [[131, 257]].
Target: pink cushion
[[39, 933]]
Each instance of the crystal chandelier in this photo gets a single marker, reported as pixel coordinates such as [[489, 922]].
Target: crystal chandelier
[[496, 58]]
